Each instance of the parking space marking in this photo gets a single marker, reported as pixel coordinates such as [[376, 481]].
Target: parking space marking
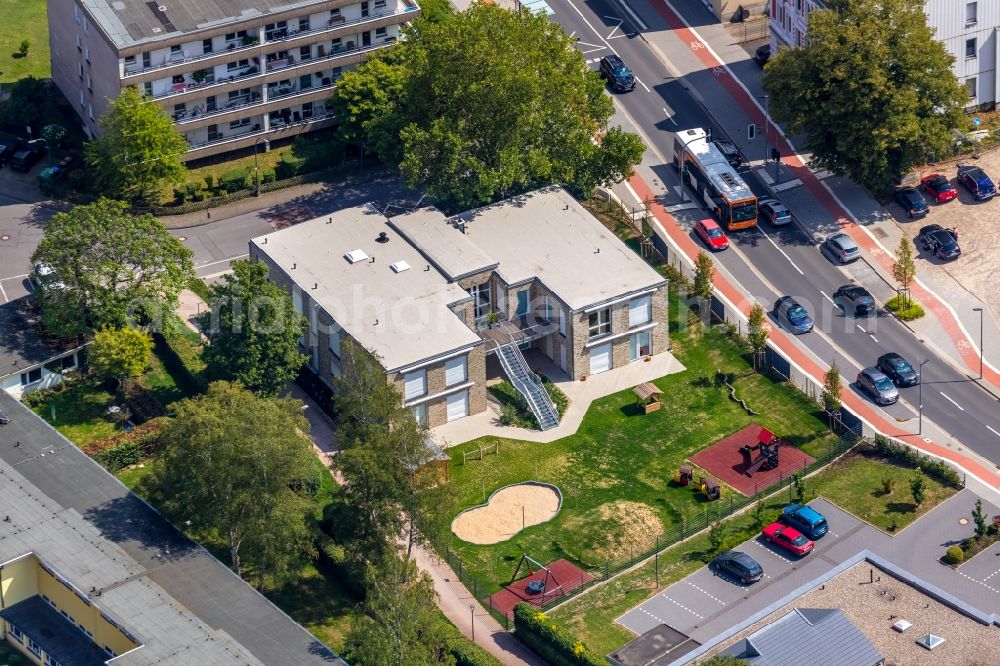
[[973, 580], [991, 575], [660, 620], [3, 293], [765, 548], [682, 606], [707, 594]]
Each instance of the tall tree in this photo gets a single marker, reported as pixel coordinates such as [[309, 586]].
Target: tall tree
[[231, 461], [904, 269], [138, 148], [757, 331], [979, 518], [918, 486], [704, 270], [485, 105], [872, 90], [108, 268], [254, 331], [120, 353], [28, 104], [400, 624], [831, 392]]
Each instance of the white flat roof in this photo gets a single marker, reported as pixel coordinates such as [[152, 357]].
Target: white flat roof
[[435, 236], [402, 317]]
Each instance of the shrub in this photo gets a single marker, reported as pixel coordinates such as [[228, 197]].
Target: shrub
[[332, 556], [235, 179], [467, 653], [954, 555], [181, 356], [938, 469], [198, 197], [192, 189], [179, 196], [907, 311], [126, 448], [268, 176], [210, 181], [553, 644], [24, 47], [509, 416]]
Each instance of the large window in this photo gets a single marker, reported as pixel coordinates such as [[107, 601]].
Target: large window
[[415, 384], [640, 311], [455, 371], [335, 340], [15, 632], [970, 48], [420, 414], [970, 87], [971, 12], [481, 299], [31, 377], [600, 323], [34, 647]]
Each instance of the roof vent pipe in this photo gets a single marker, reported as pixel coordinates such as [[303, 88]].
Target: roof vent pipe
[[382, 237]]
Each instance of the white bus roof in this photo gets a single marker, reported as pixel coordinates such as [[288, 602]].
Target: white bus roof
[[713, 164]]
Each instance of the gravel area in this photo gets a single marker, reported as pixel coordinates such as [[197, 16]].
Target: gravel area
[[509, 510], [874, 606]]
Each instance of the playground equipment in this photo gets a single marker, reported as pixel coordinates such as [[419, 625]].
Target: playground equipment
[[648, 397], [683, 476], [546, 586], [767, 456], [710, 486]]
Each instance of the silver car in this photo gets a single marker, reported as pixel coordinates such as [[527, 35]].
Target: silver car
[[876, 384], [775, 212], [842, 247]]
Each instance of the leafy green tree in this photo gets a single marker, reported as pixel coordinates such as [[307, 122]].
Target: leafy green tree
[[799, 488], [918, 486], [138, 148], [704, 270], [979, 518], [485, 105], [872, 90], [904, 268], [109, 268], [757, 331], [231, 461], [723, 660], [254, 331], [717, 536], [831, 389], [28, 103], [399, 624], [120, 353]]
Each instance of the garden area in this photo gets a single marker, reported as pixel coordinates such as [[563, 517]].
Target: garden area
[[24, 20]]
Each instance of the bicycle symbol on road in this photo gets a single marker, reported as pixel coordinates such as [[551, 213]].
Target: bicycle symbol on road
[[877, 251], [697, 45], [964, 347]]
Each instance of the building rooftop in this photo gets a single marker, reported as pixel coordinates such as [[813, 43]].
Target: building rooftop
[[181, 604], [57, 636], [546, 235], [404, 317], [23, 343]]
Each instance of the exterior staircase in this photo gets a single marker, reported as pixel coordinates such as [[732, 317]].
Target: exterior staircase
[[528, 384]]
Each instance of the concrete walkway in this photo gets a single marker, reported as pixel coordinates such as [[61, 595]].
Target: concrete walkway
[[189, 306], [580, 394]]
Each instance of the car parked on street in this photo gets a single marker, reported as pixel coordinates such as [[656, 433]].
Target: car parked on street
[[788, 538], [25, 159], [938, 188], [940, 241], [788, 312], [730, 152], [774, 212], [976, 181], [617, 73], [911, 201], [762, 55], [855, 300], [739, 565], [841, 247], [878, 386], [806, 520], [711, 234], [4, 420], [898, 369], [6, 152]]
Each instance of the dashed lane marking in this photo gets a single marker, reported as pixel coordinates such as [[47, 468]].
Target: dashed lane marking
[[682, 606], [827, 297], [707, 594], [993, 431], [660, 620], [991, 575], [988, 587], [945, 396]]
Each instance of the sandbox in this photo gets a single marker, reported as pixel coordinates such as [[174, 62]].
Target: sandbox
[[509, 510]]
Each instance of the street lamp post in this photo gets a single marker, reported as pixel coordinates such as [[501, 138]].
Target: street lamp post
[[767, 129], [980, 311], [472, 620], [920, 397], [256, 167]]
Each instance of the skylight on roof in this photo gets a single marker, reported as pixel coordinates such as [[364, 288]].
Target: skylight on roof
[[930, 641], [399, 266], [354, 256]]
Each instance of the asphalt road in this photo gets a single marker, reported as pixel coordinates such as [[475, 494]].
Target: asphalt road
[[770, 262]]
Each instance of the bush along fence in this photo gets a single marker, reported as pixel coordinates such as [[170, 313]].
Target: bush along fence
[[126, 448], [550, 641]]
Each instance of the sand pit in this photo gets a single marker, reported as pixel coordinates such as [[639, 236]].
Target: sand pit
[[501, 518]]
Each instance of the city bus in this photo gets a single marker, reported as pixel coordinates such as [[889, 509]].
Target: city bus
[[707, 171]]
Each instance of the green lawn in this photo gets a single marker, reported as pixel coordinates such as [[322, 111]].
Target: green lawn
[[615, 472], [23, 19]]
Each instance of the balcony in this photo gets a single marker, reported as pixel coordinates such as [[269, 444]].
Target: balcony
[[520, 329], [254, 104], [225, 144]]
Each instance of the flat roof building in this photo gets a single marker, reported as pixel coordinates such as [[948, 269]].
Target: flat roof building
[[30, 359]]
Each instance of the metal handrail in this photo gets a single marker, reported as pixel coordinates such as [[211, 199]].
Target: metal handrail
[[535, 378], [536, 408]]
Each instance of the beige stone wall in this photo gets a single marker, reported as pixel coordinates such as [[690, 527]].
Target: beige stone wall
[[579, 355], [437, 410]]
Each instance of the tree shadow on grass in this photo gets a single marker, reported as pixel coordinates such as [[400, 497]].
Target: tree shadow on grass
[[900, 507]]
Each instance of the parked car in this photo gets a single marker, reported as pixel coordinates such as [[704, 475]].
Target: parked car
[[5, 153], [938, 188], [25, 159], [875, 383], [739, 565], [842, 247], [711, 234], [898, 369], [855, 300], [774, 212], [43, 276], [3, 418], [942, 242], [788, 538], [762, 55], [788, 310], [976, 181], [730, 152], [618, 75], [805, 519], [912, 202]]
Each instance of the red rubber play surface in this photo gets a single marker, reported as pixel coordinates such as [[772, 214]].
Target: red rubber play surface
[[563, 576], [724, 461]]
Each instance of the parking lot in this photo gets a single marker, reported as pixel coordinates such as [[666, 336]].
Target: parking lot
[[21, 222]]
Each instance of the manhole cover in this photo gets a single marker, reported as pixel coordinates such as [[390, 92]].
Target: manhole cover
[[5, 237], [880, 232], [963, 521]]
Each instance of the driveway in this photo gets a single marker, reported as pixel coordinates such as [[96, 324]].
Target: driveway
[[22, 218]]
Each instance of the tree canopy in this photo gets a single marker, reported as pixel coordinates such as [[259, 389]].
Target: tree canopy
[[872, 90], [28, 104], [254, 331], [230, 465], [120, 353], [108, 268], [485, 105], [138, 148]]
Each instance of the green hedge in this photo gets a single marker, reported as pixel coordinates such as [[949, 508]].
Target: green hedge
[[235, 179], [954, 555], [938, 469], [182, 357], [126, 448], [332, 556], [905, 310], [467, 653], [552, 643]]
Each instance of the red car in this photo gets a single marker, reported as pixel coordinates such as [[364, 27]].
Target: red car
[[788, 538], [938, 188], [712, 234]]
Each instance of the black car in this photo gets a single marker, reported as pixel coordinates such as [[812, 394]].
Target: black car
[[739, 565], [942, 242], [911, 201], [762, 54], [898, 369], [6, 152], [618, 75], [25, 159], [788, 311], [855, 300], [3, 418], [730, 152]]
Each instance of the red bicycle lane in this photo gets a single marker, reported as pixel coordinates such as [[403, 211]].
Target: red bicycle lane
[[824, 196], [790, 351]]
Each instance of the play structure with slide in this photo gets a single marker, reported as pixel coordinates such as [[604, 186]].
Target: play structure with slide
[[767, 453]]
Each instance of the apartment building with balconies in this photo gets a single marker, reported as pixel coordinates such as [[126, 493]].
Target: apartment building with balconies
[[231, 73]]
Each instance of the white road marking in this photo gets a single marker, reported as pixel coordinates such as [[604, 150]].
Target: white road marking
[[572, 34], [766, 549], [222, 261], [612, 35], [645, 87], [652, 616], [991, 575], [780, 250], [682, 606], [3, 293], [670, 117], [951, 401], [974, 581], [860, 328], [827, 297], [707, 594], [993, 431], [597, 47]]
